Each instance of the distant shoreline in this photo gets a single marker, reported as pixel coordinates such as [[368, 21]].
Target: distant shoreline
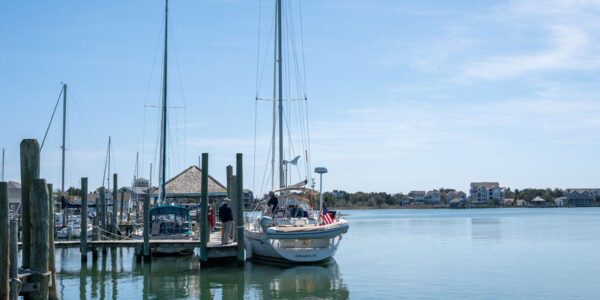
[[447, 207]]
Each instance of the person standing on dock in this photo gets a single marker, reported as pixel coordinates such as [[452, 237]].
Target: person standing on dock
[[211, 218], [226, 216]]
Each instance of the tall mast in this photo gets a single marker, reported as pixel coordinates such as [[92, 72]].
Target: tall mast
[[164, 112], [62, 185], [274, 106], [137, 160], [108, 170], [280, 60]]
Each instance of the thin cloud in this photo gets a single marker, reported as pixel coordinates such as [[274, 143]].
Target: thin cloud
[[568, 52]]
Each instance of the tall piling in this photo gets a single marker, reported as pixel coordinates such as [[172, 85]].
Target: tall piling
[[39, 237], [229, 174], [84, 219], [233, 198], [30, 169], [230, 189], [53, 293], [4, 242], [239, 208], [95, 234], [114, 227], [14, 256], [102, 212], [204, 211], [103, 217], [146, 249]]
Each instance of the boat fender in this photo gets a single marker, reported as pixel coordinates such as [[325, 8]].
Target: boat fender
[[265, 223]]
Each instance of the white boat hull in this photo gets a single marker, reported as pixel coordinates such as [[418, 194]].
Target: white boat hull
[[294, 247]]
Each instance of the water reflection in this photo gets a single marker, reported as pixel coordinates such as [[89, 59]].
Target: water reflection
[[486, 229], [118, 275], [273, 281]]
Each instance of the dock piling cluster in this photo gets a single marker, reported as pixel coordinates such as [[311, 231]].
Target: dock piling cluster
[[37, 279]]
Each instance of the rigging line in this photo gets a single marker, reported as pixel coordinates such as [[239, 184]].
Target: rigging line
[[180, 80], [258, 46], [75, 104], [302, 45], [291, 150], [254, 154], [158, 39], [264, 183], [292, 41], [51, 118], [105, 166], [308, 136], [300, 81], [266, 53]]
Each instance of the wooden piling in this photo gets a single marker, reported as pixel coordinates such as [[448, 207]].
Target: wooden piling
[[84, 219], [30, 169], [204, 211], [121, 210], [233, 206], [239, 208], [229, 174], [14, 256], [39, 237], [4, 242], [20, 224], [53, 293], [103, 217], [114, 227], [102, 212], [146, 249], [95, 235]]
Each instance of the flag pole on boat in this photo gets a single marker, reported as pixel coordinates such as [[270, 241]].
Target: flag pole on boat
[[321, 171]]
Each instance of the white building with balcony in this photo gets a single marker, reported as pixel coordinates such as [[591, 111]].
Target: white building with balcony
[[483, 192]]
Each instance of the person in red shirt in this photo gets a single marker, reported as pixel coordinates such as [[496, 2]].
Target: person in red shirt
[[211, 218]]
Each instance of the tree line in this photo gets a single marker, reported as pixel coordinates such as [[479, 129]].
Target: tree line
[[343, 199]]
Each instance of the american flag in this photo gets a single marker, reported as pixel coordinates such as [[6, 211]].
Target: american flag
[[325, 216]]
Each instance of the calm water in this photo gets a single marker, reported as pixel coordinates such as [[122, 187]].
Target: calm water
[[387, 254]]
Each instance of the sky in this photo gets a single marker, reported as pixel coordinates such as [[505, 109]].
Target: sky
[[402, 95]]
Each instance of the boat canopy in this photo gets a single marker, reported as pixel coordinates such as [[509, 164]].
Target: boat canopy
[[175, 210], [64, 203], [299, 189]]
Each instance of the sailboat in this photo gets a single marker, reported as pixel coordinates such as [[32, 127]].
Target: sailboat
[[167, 222], [294, 232]]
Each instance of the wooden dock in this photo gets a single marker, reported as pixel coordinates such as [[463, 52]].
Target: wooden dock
[[214, 247]]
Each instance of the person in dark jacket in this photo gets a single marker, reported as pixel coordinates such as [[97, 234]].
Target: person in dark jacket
[[226, 216], [273, 202]]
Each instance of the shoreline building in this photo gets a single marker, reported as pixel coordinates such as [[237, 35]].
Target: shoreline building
[[134, 195], [581, 197], [461, 196], [433, 197], [482, 192], [14, 195], [418, 197]]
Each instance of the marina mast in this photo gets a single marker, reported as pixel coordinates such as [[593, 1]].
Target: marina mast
[[62, 185], [164, 112], [280, 100]]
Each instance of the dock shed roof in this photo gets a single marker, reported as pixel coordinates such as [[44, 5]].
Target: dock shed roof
[[188, 184]]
